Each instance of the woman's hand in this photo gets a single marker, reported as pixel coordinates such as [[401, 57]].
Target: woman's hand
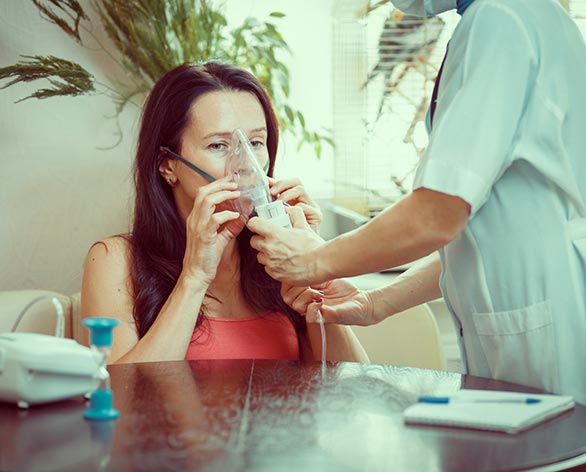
[[292, 192], [210, 229], [339, 301]]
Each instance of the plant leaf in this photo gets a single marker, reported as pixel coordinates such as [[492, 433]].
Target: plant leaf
[[301, 119], [289, 113], [150, 37]]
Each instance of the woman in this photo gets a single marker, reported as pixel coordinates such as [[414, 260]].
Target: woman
[[185, 284], [499, 192]]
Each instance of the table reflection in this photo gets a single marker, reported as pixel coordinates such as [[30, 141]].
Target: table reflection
[[53, 437], [267, 415]]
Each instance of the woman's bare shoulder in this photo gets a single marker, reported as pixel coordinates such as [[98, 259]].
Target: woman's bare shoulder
[[107, 286], [115, 249], [117, 245]]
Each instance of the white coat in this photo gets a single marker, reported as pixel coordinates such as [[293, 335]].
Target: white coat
[[509, 138]]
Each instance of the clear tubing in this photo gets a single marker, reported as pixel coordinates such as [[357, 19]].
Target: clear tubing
[[322, 328]]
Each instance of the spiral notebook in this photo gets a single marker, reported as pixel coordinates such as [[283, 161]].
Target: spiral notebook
[[489, 410]]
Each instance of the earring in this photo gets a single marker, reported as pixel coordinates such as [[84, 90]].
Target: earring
[[170, 182]]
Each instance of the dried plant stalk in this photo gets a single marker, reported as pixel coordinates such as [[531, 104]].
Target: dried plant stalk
[[151, 37], [71, 9], [66, 77]]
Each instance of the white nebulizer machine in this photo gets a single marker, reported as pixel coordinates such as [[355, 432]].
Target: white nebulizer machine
[[243, 167], [38, 368]]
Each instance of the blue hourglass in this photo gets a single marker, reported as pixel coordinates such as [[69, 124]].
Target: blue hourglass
[[100, 407]]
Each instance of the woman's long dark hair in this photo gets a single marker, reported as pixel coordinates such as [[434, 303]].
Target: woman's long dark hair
[[159, 236]]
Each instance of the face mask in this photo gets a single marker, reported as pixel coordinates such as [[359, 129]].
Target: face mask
[[424, 7], [242, 165]]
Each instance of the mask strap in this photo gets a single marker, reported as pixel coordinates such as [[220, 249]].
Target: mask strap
[[201, 172]]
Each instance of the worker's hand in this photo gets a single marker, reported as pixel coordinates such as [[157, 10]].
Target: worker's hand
[[338, 300], [292, 192], [287, 254]]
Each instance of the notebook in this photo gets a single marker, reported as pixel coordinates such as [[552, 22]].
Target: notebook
[[489, 410]]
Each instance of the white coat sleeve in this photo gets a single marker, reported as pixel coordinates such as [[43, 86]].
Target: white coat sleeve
[[475, 126]]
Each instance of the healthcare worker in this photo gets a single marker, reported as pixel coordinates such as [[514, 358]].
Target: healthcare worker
[[500, 192]]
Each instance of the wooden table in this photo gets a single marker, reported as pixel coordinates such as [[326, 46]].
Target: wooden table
[[274, 415]]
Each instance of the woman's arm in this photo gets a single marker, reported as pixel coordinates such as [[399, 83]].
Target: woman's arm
[[107, 291], [107, 287]]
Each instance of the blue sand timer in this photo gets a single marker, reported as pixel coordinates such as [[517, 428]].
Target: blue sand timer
[[100, 341]]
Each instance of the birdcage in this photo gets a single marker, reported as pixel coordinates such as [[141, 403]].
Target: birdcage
[[577, 9], [385, 64]]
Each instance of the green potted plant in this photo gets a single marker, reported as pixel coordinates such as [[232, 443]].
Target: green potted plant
[[149, 37]]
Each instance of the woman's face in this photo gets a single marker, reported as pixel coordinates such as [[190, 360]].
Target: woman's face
[[206, 140]]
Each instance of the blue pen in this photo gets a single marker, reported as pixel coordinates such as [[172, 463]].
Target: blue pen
[[443, 400]]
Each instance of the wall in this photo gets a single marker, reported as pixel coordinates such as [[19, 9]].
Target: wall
[[60, 192], [307, 28]]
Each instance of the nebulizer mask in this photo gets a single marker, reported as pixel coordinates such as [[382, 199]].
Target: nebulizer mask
[[243, 167]]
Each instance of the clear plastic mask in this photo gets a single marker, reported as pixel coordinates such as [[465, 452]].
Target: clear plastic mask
[[243, 166]]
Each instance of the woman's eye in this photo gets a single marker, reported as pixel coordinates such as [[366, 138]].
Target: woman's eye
[[222, 147], [257, 144]]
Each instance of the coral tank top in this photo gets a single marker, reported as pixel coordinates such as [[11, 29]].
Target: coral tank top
[[271, 336]]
